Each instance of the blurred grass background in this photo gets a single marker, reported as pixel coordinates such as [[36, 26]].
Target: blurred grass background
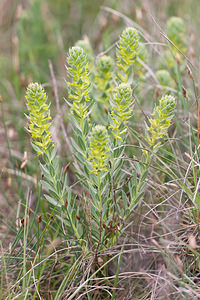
[[33, 31]]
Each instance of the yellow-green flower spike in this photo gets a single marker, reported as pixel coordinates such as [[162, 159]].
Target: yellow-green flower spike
[[85, 45], [99, 150], [79, 87], [104, 76], [176, 32], [161, 120], [39, 117], [121, 110], [165, 79], [127, 53]]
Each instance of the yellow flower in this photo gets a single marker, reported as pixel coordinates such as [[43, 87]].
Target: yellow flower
[[99, 151], [39, 117]]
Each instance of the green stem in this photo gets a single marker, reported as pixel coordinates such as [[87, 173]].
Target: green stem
[[61, 200], [141, 180], [100, 205], [100, 212], [99, 190]]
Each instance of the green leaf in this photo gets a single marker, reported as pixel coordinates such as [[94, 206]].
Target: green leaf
[[144, 176], [125, 200], [85, 127], [53, 152], [51, 170], [139, 197], [36, 148], [76, 147], [45, 171], [52, 201], [59, 187], [47, 186], [81, 143]]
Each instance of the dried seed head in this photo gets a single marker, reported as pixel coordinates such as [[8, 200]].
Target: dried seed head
[[190, 72], [39, 220], [66, 168], [192, 241]]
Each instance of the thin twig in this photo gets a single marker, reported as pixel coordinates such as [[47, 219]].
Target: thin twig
[[148, 69], [128, 22]]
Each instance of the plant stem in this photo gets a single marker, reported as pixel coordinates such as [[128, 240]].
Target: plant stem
[[141, 180]]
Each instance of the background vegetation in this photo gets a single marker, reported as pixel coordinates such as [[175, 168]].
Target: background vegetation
[[158, 256]]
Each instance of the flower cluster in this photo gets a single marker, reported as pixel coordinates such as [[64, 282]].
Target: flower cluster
[[104, 76], [165, 79], [127, 53], [39, 117], [85, 45], [99, 150], [176, 32], [79, 87], [121, 110], [159, 124]]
